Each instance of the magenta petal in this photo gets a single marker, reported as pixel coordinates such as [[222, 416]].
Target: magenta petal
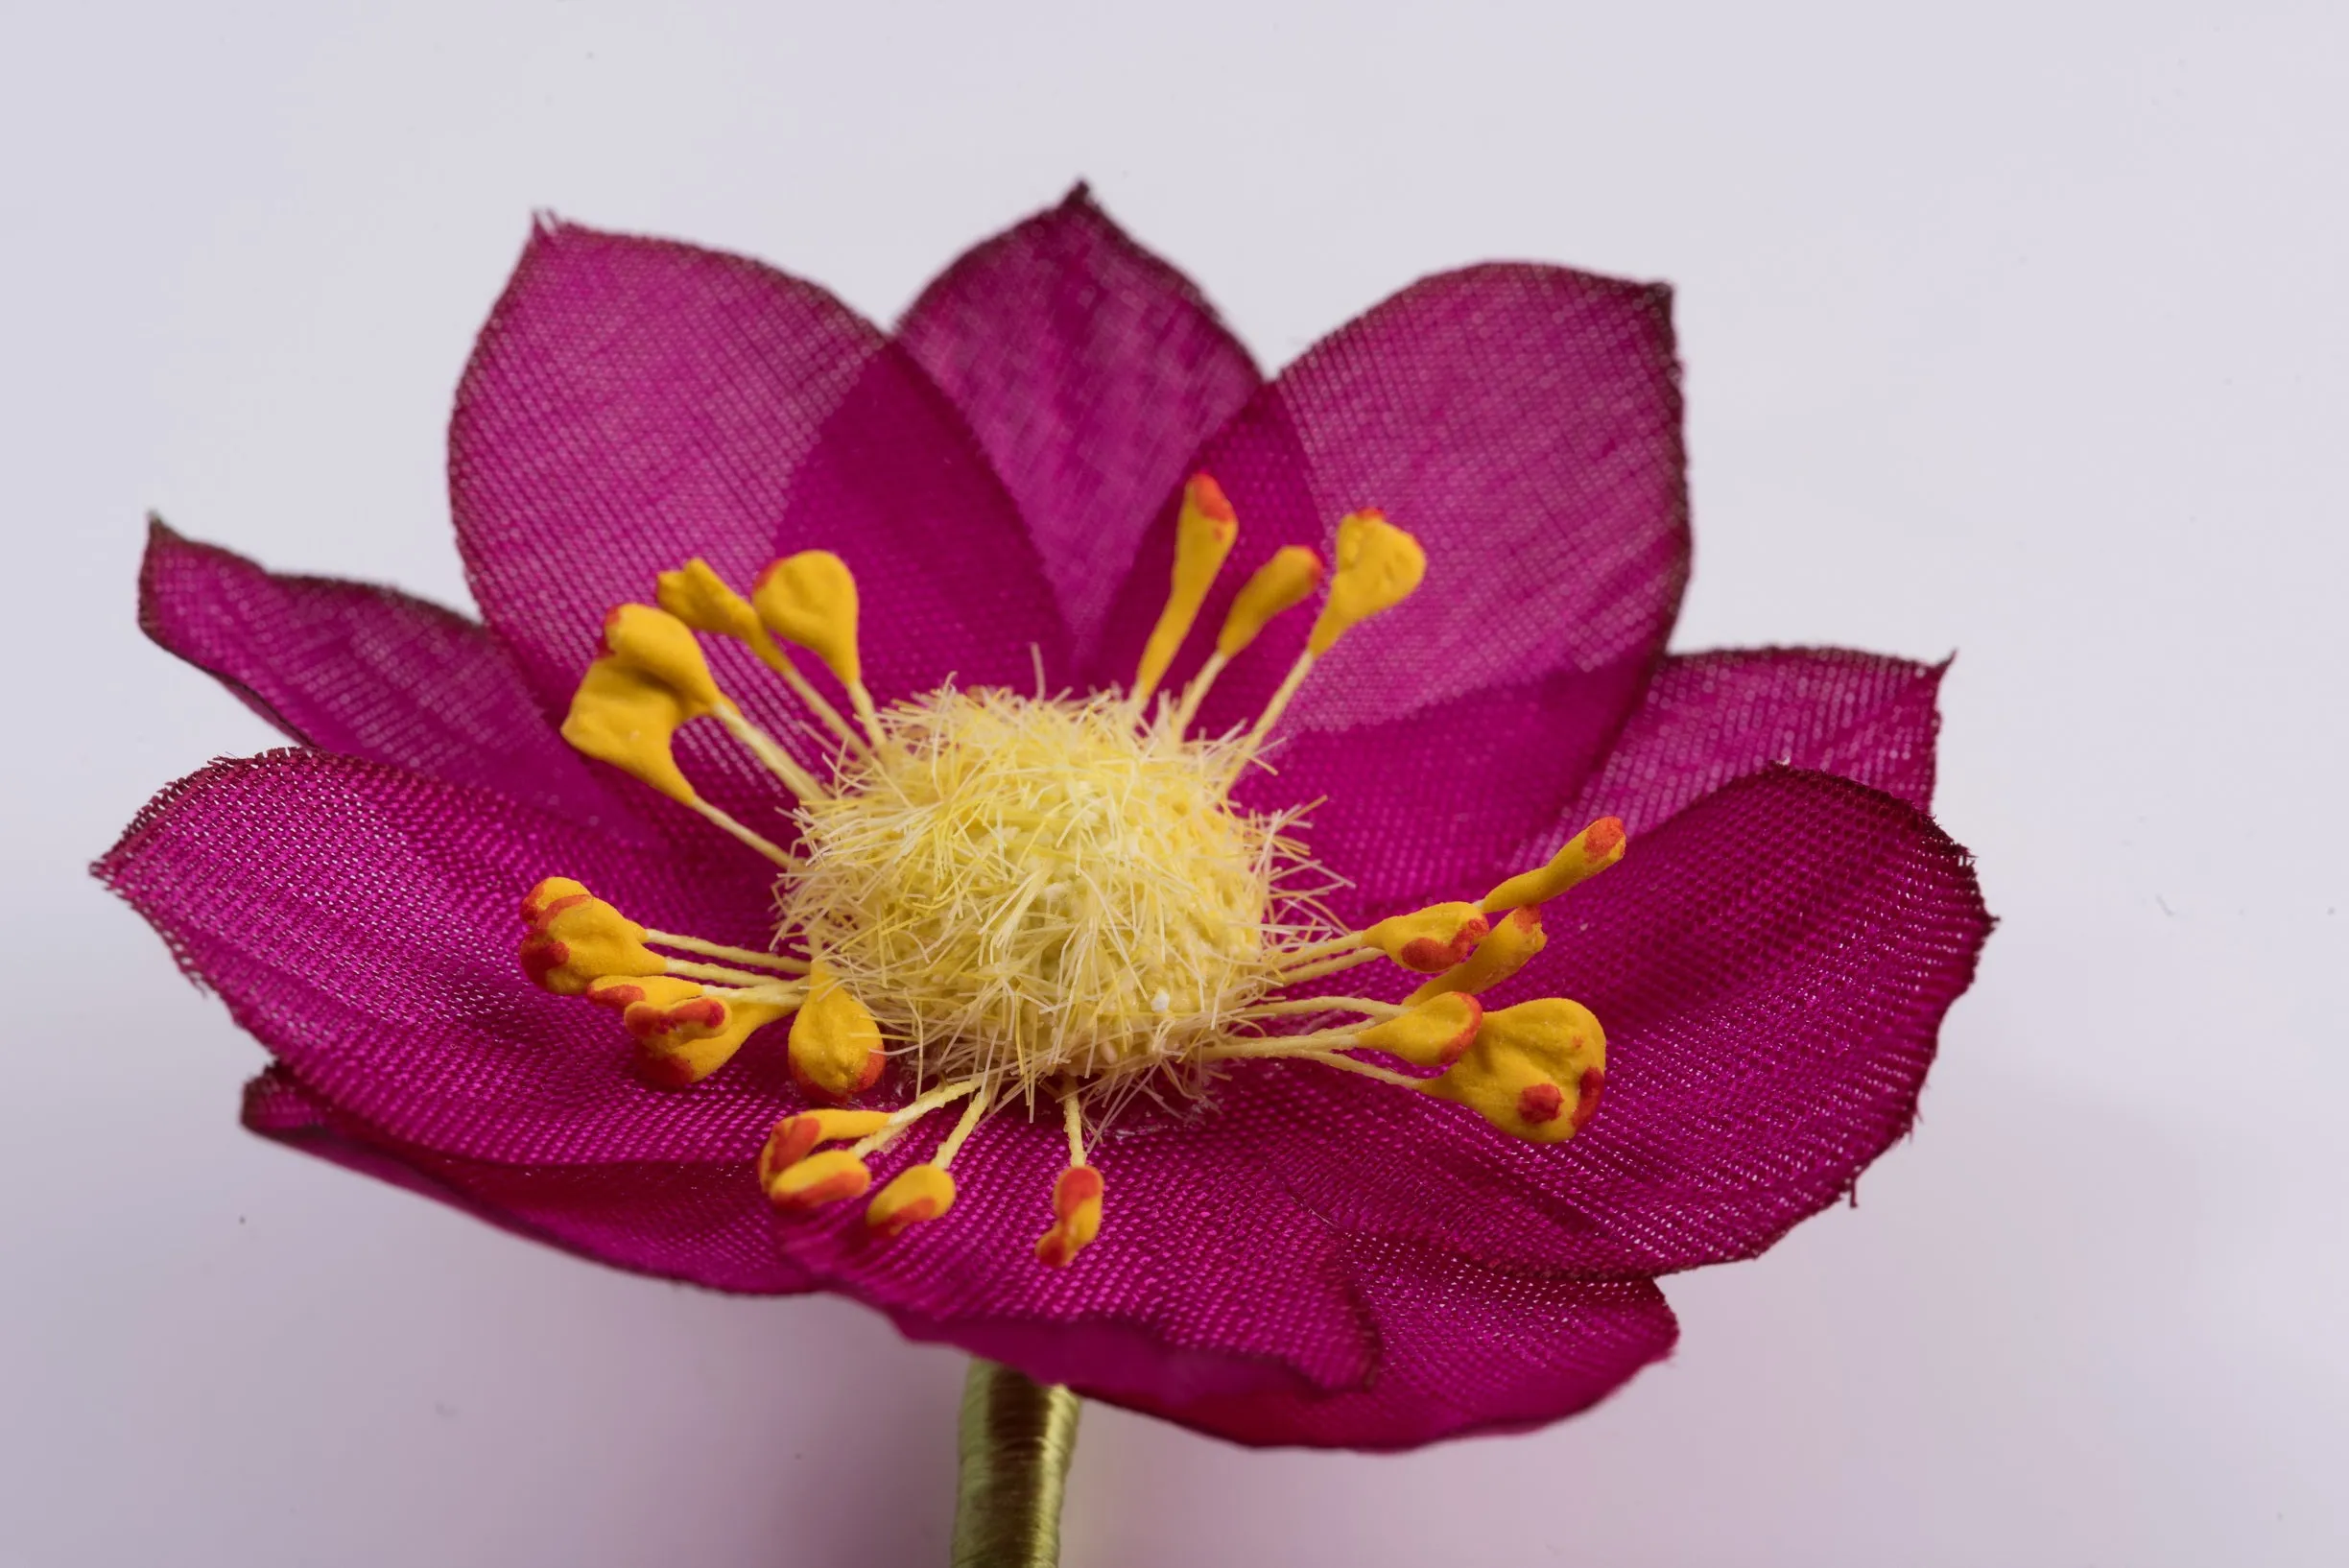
[[1091, 371], [1462, 1349], [361, 923], [1207, 1276], [703, 1222], [632, 403], [369, 671], [1772, 968], [1525, 423], [1710, 718]]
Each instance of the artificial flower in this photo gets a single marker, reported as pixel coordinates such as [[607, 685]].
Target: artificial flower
[[1024, 823]]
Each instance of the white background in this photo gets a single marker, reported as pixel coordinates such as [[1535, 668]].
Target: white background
[[2022, 332]]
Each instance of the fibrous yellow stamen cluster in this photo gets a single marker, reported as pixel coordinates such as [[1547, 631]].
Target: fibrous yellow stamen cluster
[[1041, 905], [1035, 887]]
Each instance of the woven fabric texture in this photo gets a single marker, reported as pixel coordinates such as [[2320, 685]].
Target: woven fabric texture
[[1317, 1259]]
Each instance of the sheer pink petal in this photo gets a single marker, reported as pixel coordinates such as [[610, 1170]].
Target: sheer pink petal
[[1525, 423], [1462, 1349], [369, 671], [704, 1223], [1091, 371], [1772, 968], [361, 921], [632, 403]]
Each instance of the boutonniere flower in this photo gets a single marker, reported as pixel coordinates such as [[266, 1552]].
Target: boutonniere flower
[[1204, 890]]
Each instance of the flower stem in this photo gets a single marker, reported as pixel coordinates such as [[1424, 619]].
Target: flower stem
[[1016, 1440]]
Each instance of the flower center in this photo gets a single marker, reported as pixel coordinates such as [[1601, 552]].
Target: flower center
[[1038, 887], [1029, 899]]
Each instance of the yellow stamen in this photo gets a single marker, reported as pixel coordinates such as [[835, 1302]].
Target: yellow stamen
[[1077, 1216], [719, 950], [575, 938], [834, 1044], [1536, 1070], [1204, 535], [830, 1176], [811, 599], [1379, 566], [795, 1137], [1282, 583], [1508, 947], [1435, 1034], [698, 595], [1586, 855], [918, 1193]]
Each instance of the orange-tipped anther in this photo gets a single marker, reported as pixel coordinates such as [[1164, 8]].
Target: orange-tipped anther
[[1435, 1034], [1076, 1217], [796, 1136], [1204, 535], [1432, 940], [657, 644], [583, 938], [835, 1043], [1586, 855], [828, 1177], [919, 1191], [549, 895], [1379, 566], [680, 1043], [811, 599], [1286, 581], [1507, 948], [1534, 1070]]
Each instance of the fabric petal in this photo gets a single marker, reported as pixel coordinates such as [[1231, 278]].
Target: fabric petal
[[362, 922], [1713, 717], [703, 1222], [1771, 967], [370, 672], [1463, 1350], [1523, 422], [1090, 371], [632, 403], [1207, 1276]]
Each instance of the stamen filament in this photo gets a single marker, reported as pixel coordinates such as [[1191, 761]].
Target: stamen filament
[[866, 714], [1325, 1004], [720, 950], [1281, 697], [912, 1112], [1328, 966], [758, 842], [1195, 693], [775, 659], [1071, 1120], [764, 747], [972, 1114], [689, 969]]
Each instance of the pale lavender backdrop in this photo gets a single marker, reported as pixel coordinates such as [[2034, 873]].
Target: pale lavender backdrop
[[2020, 332]]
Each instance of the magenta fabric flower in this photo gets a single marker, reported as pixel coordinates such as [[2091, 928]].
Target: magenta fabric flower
[[1336, 1131]]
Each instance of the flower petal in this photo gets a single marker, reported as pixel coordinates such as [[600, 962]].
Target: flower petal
[[1206, 1278], [1772, 968], [361, 921], [1525, 423], [1462, 1350], [1710, 718], [700, 1221], [1091, 371], [632, 403], [369, 671]]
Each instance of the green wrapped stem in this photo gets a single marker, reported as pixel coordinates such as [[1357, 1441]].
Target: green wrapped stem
[[1016, 1440]]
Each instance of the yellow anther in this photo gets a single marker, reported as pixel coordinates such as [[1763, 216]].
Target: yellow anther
[[1505, 950], [625, 717], [1282, 583], [834, 1044], [811, 599], [542, 900], [1432, 1035], [698, 595], [657, 644], [1076, 1217], [1378, 566], [828, 1177], [919, 1191], [796, 1136], [1587, 854], [682, 1042], [1204, 535], [577, 939], [1535, 1071], [1432, 940]]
